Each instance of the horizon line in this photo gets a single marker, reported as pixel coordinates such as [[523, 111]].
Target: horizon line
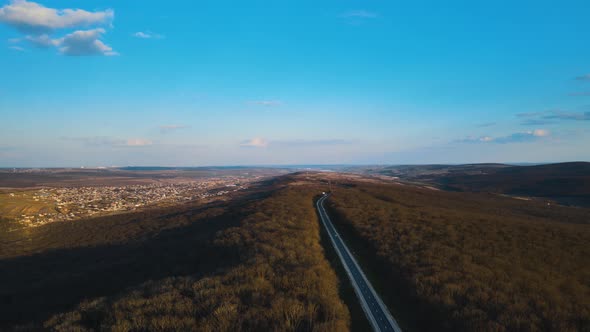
[[296, 165]]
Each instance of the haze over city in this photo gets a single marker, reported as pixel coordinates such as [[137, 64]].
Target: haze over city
[[100, 83]]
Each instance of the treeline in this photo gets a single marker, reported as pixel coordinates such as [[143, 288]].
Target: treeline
[[279, 280], [471, 262]]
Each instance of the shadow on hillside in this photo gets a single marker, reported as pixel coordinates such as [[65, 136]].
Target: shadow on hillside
[[34, 287]]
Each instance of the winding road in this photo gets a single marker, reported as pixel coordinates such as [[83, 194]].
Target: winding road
[[376, 311]]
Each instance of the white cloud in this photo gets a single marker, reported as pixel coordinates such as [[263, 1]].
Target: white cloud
[[259, 142], [77, 43], [541, 133], [147, 35], [43, 41], [40, 22], [31, 17], [256, 142], [105, 141], [138, 142], [471, 139], [84, 42], [16, 48], [521, 137], [142, 35], [311, 142]]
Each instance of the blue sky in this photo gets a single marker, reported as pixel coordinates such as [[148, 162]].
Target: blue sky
[[191, 83]]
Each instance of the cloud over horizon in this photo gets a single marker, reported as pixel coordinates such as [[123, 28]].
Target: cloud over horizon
[[312, 142], [520, 137], [105, 141], [257, 142], [138, 142]]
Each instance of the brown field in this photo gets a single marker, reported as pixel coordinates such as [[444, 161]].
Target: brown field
[[22, 202]]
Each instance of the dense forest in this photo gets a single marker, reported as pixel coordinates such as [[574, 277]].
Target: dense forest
[[254, 264], [470, 262], [441, 260]]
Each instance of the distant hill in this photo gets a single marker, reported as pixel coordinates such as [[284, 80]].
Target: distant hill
[[428, 171], [63, 177], [568, 183]]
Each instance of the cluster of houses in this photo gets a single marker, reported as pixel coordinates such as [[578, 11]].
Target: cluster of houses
[[72, 203]]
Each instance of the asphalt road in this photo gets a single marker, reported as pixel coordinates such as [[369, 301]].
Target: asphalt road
[[377, 313]]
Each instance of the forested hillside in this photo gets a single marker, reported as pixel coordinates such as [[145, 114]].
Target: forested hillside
[[568, 183], [471, 262], [441, 260], [256, 264]]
